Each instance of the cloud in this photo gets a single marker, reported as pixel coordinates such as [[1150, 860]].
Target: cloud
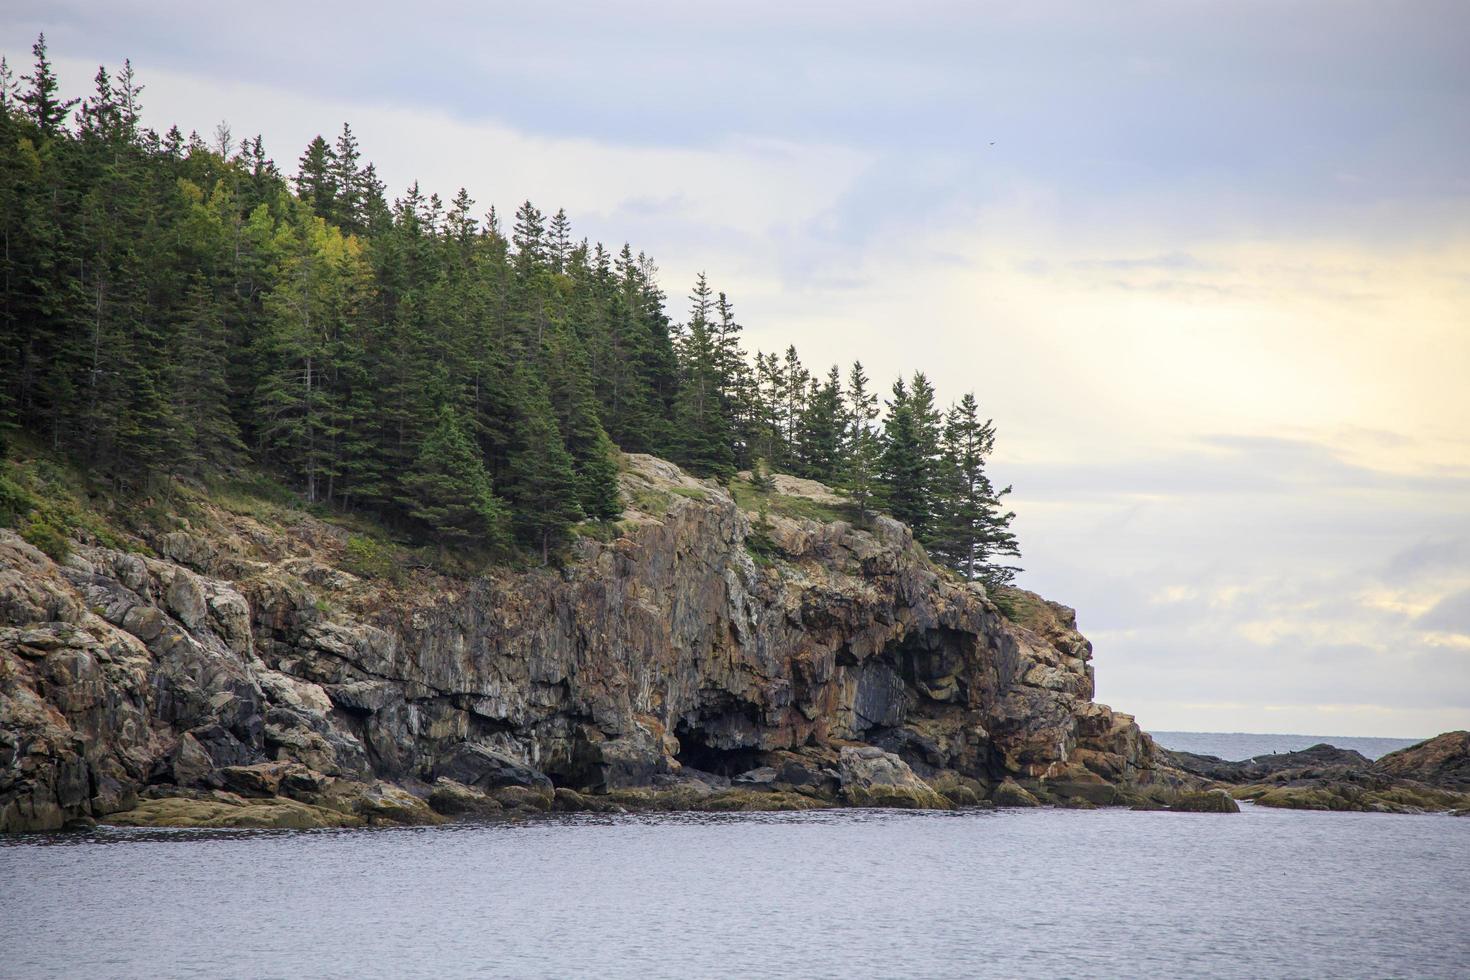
[[1210, 278], [1450, 614]]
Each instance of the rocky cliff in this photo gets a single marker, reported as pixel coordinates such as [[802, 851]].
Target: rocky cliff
[[699, 651]]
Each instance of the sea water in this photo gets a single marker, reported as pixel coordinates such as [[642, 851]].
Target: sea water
[[843, 893], [1236, 746]]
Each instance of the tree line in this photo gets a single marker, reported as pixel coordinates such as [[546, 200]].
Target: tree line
[[172, 306]]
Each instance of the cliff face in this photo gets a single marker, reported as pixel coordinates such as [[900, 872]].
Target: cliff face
[[672, 649]]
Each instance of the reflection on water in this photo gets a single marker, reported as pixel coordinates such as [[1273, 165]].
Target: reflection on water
[[835, 893]]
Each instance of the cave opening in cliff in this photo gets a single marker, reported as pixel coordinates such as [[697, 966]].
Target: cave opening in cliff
[[695, 752]]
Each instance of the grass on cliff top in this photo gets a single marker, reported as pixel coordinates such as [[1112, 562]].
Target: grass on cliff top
[[1021, 608], [50, 503], [749, 497]]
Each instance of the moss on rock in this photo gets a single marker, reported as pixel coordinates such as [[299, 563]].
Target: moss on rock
[[281, 814], [1011, 793], [1212, 801]]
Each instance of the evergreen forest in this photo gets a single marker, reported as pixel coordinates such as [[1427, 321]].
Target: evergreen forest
[[174, 307]]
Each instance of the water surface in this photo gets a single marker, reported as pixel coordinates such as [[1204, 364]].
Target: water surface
[[842, 893], [1236, 746]]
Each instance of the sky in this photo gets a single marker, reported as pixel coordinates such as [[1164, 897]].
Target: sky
[[1207, 265]]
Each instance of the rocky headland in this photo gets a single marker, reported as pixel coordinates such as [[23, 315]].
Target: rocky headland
[[244, 668]]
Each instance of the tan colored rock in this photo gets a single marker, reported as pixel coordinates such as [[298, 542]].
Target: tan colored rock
[[872, 777], [1442, 761], [1011, 793], [666, 649], [454, 799], [275, 814]]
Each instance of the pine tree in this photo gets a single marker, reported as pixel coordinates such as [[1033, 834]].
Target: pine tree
[[975, 529], [543, 481], [910, 461], [863, 447], [127, 95], [796, 379], [9, 88], [821, 432], [316, 183], [349, 208], [704, 436], [448, 490], [559, 241], [45, 108]]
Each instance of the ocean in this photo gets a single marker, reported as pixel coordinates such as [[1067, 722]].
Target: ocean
[[1009, 893], [1236, 746]]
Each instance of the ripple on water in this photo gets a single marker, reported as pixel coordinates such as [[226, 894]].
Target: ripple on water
[[815, 893]]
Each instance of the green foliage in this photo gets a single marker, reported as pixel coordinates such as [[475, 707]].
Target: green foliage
[[449, 491], [48, 537], [15, 502], [175, 309], [761, 477], [370, 558], [42, 499], [543, 481], [604, 531], [749, 497], [758, 542]]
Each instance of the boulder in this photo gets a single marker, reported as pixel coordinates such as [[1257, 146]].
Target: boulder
[[1012, 793], [456, 799], [1319, 757], [1213, 801], [874, 778], [748, 801], [530, 798], [382, 803], [482, 768], [570, 801]]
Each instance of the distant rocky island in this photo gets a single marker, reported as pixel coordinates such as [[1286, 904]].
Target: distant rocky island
[[715, 655]]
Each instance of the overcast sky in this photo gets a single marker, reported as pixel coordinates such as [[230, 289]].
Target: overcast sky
[[1206, 264]]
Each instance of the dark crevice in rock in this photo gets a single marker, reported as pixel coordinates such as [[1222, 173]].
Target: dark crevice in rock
[[696, 752]]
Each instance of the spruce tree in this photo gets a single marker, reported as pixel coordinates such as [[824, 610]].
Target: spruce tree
[[316, 181], [821, 432], [862, 445], [44, 106], [912, 476], [448, 490], [542, 480], [349, 207], [975, 532], [704, 438]]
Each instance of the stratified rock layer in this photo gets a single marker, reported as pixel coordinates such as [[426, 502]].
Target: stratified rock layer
[[668, 653]]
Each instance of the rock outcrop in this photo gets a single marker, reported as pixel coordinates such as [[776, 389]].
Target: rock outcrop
[[1320, 756], [1442, 762], [1431, 776], [672, 656]]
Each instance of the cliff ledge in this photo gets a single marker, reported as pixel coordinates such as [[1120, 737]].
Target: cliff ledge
[[705, 656]]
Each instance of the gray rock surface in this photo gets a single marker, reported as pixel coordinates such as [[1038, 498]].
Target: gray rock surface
[[668, 647]]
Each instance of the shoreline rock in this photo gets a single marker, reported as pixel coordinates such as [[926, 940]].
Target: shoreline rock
[[1430, 777], [664, 660]]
